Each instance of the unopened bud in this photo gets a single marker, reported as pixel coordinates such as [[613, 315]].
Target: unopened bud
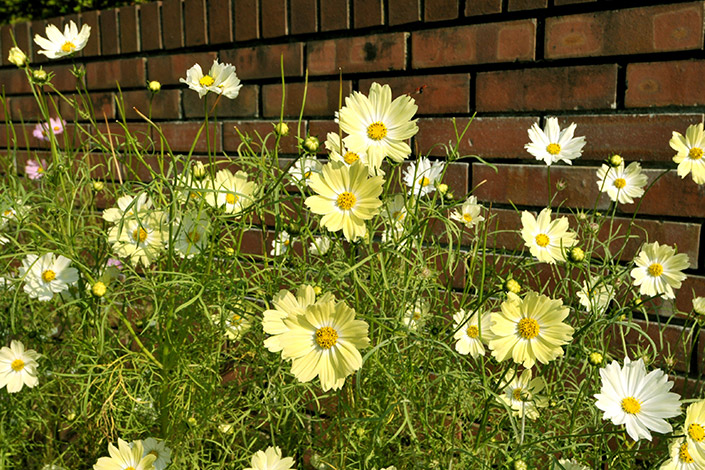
[[512, 286], [317, 290], [17, 57], [99, 289], [282, 129], [154, 86], [198, 170], [595, 358], [615, 160], [576, 255], [39, 76], [98, 186], [443, 188], [520, 465], [311, 144]]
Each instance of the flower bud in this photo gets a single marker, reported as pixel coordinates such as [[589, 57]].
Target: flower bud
[[281, 129], [99, 289], [17, 57], [198, 170], [98, 186], [317, 290], [442, 188], [615, 160], [40, 76], [520, 465], [699, 305], [229, 251], [595, 358], [512, 286], [311, 144], [561, 185], [154, 86], [576, 255]]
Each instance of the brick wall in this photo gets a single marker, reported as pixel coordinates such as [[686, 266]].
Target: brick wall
[[628, 73]]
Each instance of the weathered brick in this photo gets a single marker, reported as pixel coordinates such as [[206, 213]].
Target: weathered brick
[[150, 26], [129, 34], [246, 20], [220, 21], [321, 98], [375, 53], [110, 44], [629, 31], [93, 47], [636, 137], [14, 80], [335, 15], [403, 11], [232, 141], [24, 107], [569, 2], [195, 11], [438, 10], [368, 13], [173, 19], [64, 79], [245, 105], [434, 94], [665, 84], [304, 15], [581, 87], [515, 5], [168, 69], [475, 44], [495, 137], [482, 7], [165, 104], [320, 129], [274, 13], [127, 72], [6, 42], [264, 61], [181, 136]]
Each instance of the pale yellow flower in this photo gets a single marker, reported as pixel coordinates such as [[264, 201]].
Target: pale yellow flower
[[690, 152], [232, 193], [472, 331], [547, 240], [220, 79], [522, 394], [469, 213], [681, 453], [694, 428], [140, 239], [658, 270], [270, 459], [124, 457]]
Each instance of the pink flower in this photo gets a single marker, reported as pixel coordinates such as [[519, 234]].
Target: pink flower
[[115, 262], [35, 170], [56, 125]]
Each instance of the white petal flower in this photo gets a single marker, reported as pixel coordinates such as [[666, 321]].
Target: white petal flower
[[522, 394], [547, 240], [192, 231], [59, 45], [320, 246], [125, 457], [47, 275], [469, 213], [220, 79], [157, 448], [423, 176], [658, 270], [270, 459], [281, 244], [622, 185], [597, 298], [18, 367], [301, 171], [690, 152], [472, 333], [553, 144]]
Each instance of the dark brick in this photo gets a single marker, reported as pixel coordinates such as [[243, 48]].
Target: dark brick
[[23, 107], [438, 10], [441, 94], [368, 13], [515, 5], [264, 61], [129, 34], [303, 16], [93, 46], [6, 42], [482, 7], [14, 81], [127, 72], [246, 20], [181, 136], [110, 44], [220, 21], [150, 26], [64, 79], [23, 38], [245, 105], [335, 15], [404, 11], [195, 12], [165, 104], [375, 53], [665, 84], [173, 20], [321, 98], [231, 138], [39, 27], [103, 105], [168, 69], [274, 14]]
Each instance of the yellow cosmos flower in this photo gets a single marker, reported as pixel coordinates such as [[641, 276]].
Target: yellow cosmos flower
[[345, 197], [124, 457], [530, 329], [690, 152], [658, 270], [232, 192], [681, 453], [547, 240], [694, 428]]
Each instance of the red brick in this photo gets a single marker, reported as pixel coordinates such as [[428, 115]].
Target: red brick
[[274, 15], [195, 11], [181, 135], [630, 31], [321, 129], [636, 137], [246, 20], [91, 18], [64, 79], [335, 15], [442, 94], [129, 34], [253, 129], [127, 72], [474, 44], [368, 13], [515, 5], [173, 19], [672, 195], [264, 61], [165, 104], [482, 7], [150, 26], [6, 43], [403, 11], [496, 137], [220, 21], [303, 16], [321, 98], [14, 81], [582, 87], [168, 69], [359, 54], [438, 10], [24, 107], [102, 103], [693, 286], [109, 41], [245, 105], [35, 27], [665, 84]]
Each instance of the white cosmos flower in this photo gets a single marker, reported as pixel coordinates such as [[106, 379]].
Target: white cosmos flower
[[471, 332], [192, 234], [301, 171], [694, 430], [640, 401], [597, 298], [281, 244], [270, 459], [622, 185], [47, 275], [422, 176], [59, 45], [565, 464], [553, 144], [521, 393], [126, 456], [232, 192], [681, 454], [128, 207], [416, 315], [319, 246], [157, 448], [690, 152], [18, 367], [469, 213], [658, 270], [339, 153], [547, 240], [220, 79], [141, 239]]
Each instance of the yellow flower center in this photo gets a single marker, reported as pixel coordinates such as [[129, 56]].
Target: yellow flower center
[[528, 328], [473, 332], [655, 270], [542, 240], [351, 157], [683, 454], [139, 235], [326, 337], [516, 394], [154, 453], [68, 46], [553, 149], [307, 175], [17, 365], [696, 432], [424, 181], [398, 215], [286, 242], [7, 213], [56, 129], [467, 217], [619, 183], [346, 200], [231, 198], [193, 237], [696, 153], [377, 131], [206, 80], [235, 319], [631, 405], [48, 275], [130, 468]]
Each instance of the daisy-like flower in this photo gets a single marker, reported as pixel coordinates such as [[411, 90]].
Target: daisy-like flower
[[35, 170], [547, 240], [597, 298], [301, 171], [128, 207], [57, 45], [565, 464], [422, 176], [378, 126], [658, 270], [281, 244], [193, 184], [158, 449], [699, 305], [694, 428], [191, 234], [530, 329], [622, 184], [324, 342], [140, 239], [18, 367], [681, 457], [416, 315], [339, 153], [319, 246], [56, 126], [469, 213], [553, 144], [124, 457], [636, 399], [395, 211], [270, 459], [471, 332], [345, 197], [236, 322], [522, 394], [47, 275], [220, 79], [232, 193], [690, 152]]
